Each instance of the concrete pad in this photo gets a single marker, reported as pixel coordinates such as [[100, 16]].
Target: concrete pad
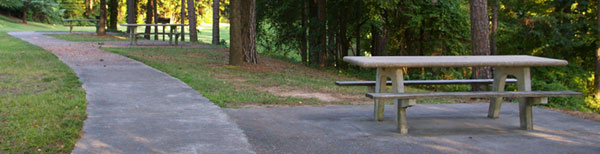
[[133, 108], [433, 128]]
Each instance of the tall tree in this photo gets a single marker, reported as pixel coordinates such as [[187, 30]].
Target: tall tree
[[155, 9], [149, 14], [89, 8], [182, 20], [192, 20], [321, 4], [303, 40], [243, 32], [597, 74], [113, 9], [313, 33], [102, 21], [480, 42], [131, 12], [25, 10], [215, 29], [493, 42], [249, 31]]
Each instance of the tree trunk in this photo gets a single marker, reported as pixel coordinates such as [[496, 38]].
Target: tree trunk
[[379, 40], [493, 43], [192, 19], [322, 35], [89, 8], [25, 10], [131, 12], [182, 20], [215, 31], [113, 7], [597, 73], [102, 21], [343, 39], [249, 32], [235, 50], [303, 40], [149, 14], [155, 13], [313, 41], [480, 38]]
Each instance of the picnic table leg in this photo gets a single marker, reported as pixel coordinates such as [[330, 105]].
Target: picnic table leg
[[176, 35], [71, 26], [498, 85], [401, 104], [379, 87], [523, 76], [135, 35], [163, 33], [130, 35], [170, 36]]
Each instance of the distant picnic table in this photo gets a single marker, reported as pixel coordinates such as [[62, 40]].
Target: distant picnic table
[[71, 23], [172, 33], [518, 66]]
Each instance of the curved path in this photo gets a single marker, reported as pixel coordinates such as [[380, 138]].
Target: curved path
[[133, 108]]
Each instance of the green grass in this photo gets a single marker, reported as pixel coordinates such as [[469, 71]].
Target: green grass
[[267, 83], [42, 104]]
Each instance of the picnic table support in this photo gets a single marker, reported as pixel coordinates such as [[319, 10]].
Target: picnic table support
[[523, 76], [71, 26]]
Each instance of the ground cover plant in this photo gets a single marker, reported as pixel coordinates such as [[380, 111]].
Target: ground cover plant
[[42, 102]]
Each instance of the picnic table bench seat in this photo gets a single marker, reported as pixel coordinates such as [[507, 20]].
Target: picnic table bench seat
[[531, 98], [423, 82]]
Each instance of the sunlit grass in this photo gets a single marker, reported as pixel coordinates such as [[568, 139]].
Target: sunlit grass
[[42, 104]]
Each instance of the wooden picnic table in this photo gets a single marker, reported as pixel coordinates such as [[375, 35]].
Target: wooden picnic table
[[71, 23], [172, 31], [392, 67]]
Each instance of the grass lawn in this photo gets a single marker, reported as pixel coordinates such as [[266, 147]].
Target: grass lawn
[[42, 104], [204, 34], [272, 82]]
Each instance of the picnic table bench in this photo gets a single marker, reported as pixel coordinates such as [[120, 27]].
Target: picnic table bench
[[171, 33], [518, 66], [71, 23]]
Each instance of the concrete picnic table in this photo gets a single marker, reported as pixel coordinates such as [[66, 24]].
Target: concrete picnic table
[[133, 32], [392, 67], [71, 23]]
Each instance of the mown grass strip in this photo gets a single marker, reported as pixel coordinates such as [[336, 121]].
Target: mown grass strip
[[42, 104]]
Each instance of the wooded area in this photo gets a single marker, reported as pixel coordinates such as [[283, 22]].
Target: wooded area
[[321, 32]]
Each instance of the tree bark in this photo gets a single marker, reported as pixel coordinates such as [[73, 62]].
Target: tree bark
[[597, 73], [192, 20], [493, 43], [323, 31], [303, 40], [235, 50], [215, 31], [480, 38], [155, 10], [131, 12], [313, 41], [113, 7], [25, 10], [249, 32], [379, 40], [102, 21], [343, 39], [182, 20], [149, 14]]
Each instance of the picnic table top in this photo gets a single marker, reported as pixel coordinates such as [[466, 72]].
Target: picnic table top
[[153, 25], [80, 19], [453, 61]]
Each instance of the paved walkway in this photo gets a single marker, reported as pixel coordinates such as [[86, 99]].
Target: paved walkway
[[133, 108], [433, 128]]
